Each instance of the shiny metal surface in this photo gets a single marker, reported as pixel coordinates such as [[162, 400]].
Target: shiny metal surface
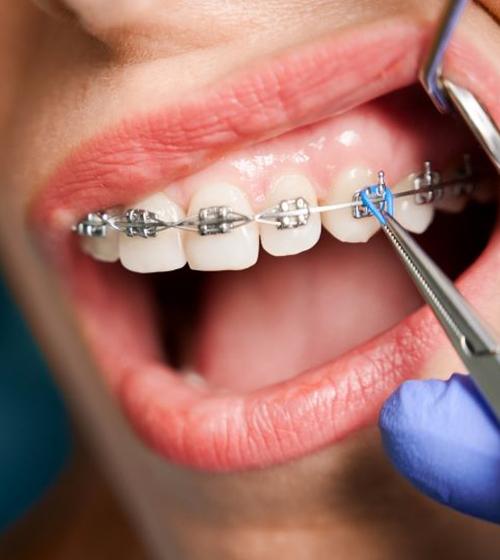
[[287, 214], [430, 73], [477, 118], [449, 96], [476, 345]]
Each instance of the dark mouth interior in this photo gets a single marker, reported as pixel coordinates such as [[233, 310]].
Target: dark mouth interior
[[247, 329]]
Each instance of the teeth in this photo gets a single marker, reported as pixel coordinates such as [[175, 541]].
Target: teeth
[[238, 248], [160, 253], [291, 241], [412, 216], [103, 249], [450, 201], [235, 250], [341, 223]]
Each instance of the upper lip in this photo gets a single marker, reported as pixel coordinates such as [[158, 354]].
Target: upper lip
[[276, 423], [319, 80]]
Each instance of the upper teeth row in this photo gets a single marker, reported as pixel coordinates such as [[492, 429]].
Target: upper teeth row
[[287, 214]]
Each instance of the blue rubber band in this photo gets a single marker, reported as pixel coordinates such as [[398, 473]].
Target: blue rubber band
[[387, 198]]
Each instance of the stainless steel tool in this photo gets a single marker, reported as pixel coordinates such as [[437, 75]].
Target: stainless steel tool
[[447, 95], [476, 345], [474, 342]]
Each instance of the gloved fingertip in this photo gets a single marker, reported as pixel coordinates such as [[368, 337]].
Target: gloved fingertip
[[439, 435]]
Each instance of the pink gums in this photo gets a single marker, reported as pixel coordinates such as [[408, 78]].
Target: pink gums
[[397, 133]]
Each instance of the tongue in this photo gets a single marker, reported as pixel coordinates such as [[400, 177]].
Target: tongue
[[287, 315]]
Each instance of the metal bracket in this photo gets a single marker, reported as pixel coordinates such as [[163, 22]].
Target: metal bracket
[[95, 224], [288, 214], [219, 219], [293, 213], [376, 193], [139, 223], [428, 179]]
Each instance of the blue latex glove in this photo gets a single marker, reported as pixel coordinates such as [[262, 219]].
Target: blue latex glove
[[440, 435]]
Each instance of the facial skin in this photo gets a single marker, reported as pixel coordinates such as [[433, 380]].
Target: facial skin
[[70, 70]]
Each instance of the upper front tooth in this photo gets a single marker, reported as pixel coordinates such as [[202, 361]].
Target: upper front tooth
[[341, 223], [234, 250], [412, 216], [102, 248], [281, 242], [157, 254]]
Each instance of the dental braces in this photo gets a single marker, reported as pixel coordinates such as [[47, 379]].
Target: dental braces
[[428, 186]]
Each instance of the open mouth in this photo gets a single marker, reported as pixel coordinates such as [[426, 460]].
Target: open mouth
[[272, 343]]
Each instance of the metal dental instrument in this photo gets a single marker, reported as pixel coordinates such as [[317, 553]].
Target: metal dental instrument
[[446, 94], [474, 343]]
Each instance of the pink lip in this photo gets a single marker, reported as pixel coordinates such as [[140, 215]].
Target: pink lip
[[188, 424]]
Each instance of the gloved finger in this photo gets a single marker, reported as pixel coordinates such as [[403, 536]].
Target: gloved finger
[[441, 436]]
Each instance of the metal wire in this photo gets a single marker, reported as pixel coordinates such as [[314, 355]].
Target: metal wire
[[288, 214]]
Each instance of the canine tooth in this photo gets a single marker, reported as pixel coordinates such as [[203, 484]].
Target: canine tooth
[[157, 254], [341, 223], [281, 242], [103, 249], [414, 217], [234, 250]]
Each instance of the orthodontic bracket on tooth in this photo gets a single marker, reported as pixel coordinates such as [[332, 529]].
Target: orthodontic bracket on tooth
[[376, 194], [95, 224], [218, 219], [135, 222], [139, 223], [287, 214], [377, 199], [426, 185]]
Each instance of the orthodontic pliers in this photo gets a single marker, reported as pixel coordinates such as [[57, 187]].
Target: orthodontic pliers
[[447, 95], [475, 344]]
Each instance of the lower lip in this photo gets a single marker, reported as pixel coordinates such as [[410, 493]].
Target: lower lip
[[200, 427]]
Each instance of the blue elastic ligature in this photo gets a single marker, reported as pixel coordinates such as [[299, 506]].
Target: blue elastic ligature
[[378, 199]]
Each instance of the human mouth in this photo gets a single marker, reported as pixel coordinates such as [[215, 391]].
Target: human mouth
[[283, 358]]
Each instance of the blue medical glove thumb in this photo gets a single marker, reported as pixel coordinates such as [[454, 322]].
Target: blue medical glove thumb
[[441, 436]]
